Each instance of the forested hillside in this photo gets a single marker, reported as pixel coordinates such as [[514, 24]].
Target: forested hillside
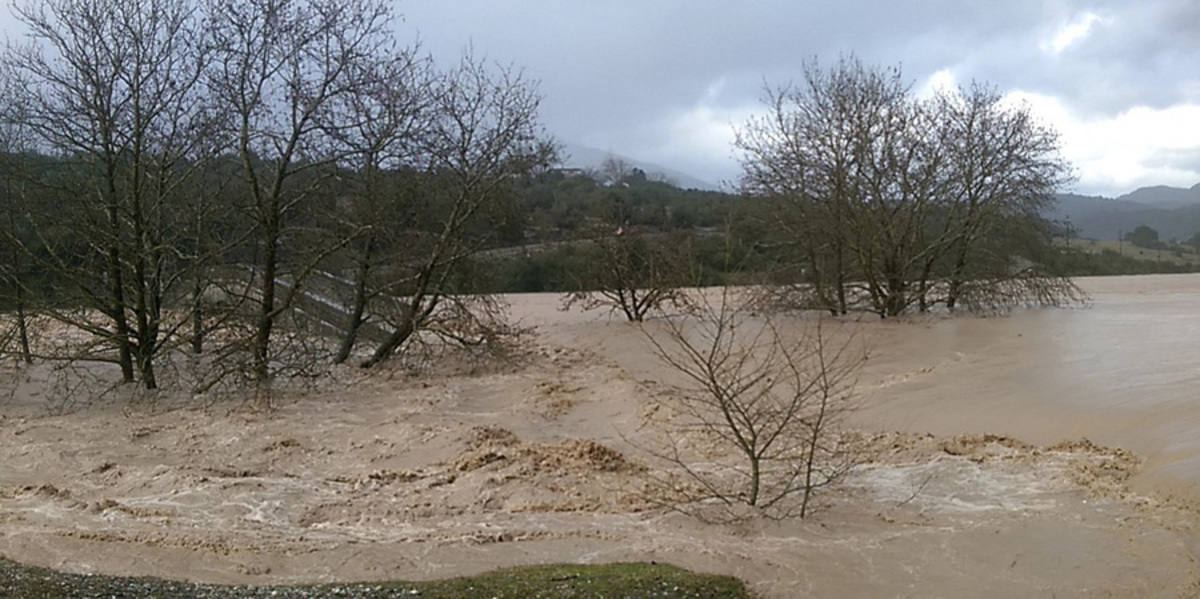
[[1173, 212]]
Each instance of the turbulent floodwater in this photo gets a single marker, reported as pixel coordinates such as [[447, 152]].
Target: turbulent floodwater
[[1124, 371], [449, 474]]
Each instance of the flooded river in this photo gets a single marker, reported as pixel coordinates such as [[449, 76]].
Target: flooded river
[[452, 474], [1123, 371]]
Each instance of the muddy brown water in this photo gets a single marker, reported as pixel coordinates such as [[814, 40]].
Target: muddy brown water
[[1122, 371], [377, 478]]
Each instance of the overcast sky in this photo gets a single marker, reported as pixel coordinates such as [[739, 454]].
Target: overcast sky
[[666, 81]]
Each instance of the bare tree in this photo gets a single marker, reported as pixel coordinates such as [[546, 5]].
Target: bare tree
[[633, 273], [279, 67], [484, 135], [756, 422], [14, 270], [613, 171], [890, 202], [802, 154], [384, 135], [111, 89], [1006, 169]]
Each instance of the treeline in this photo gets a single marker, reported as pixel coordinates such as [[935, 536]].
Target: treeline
[[560, 205], [1078, 262]]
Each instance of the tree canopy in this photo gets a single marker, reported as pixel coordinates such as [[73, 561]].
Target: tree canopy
[[891, 202]]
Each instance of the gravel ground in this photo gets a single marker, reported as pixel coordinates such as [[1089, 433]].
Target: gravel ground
[[629, 581]]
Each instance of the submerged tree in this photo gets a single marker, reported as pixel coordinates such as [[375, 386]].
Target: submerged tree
[[383, 138], [113, 91], [279, 67], [210, 173], [757, 420], [483, 135], [890, 202], [1004, 168], [15, 273], [633, 273]]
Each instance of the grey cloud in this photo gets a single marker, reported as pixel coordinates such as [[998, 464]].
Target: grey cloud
[[1187, 160], [613, 71], [1138, 55]]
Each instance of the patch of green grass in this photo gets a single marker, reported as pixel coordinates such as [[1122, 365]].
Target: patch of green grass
[[611, 581], [1175, 254]]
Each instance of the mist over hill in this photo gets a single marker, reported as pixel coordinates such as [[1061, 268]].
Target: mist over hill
[[576, 156], [1172, 211]]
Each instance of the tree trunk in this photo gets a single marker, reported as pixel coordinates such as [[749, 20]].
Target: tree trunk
[[414, 316], [358, 306], [23, 328], [817, 279], [145, 317], [117, 297], [145, 362], [392, 343], [755, 478], [839, 268], [897, 295], [956, 280], [19, 292], [266, 312], [197, 316], [923, 287]]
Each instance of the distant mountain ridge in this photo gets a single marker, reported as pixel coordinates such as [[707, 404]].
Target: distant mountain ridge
[[1162, 195], [576, 156], [1172, 211]]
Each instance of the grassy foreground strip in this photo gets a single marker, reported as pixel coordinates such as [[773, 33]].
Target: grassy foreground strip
[[613, 581]]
